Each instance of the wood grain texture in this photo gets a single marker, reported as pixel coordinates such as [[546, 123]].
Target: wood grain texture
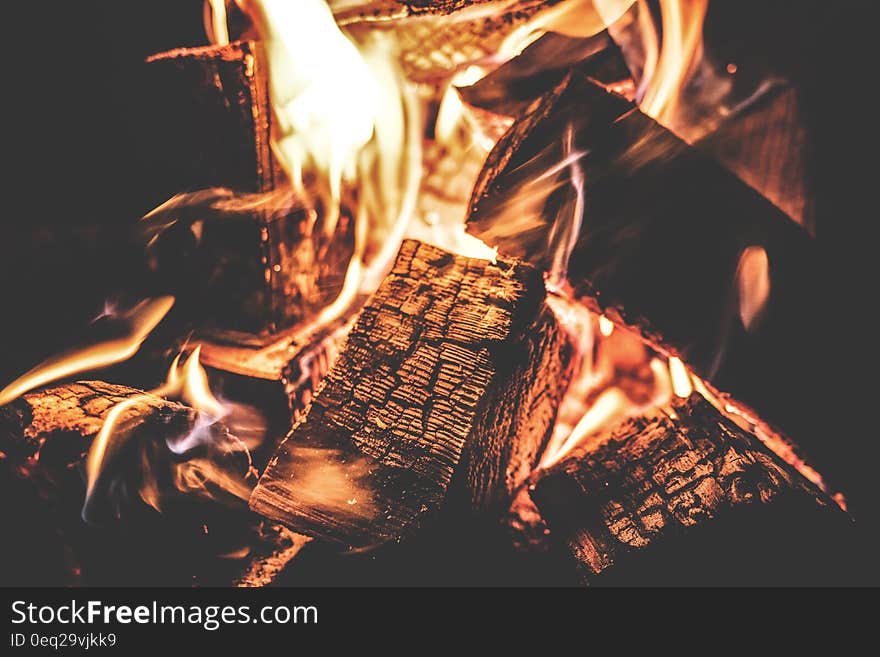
[[659, 245], [636, 507], [768, 148], [453, 372]]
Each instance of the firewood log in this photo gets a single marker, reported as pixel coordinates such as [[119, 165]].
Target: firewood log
[[45, 437], [658, 245], [684, 496], [449, 383], [249, 269], [512, 88], [210, 119]]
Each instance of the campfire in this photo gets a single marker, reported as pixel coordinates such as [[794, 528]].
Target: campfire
[[483, 291]]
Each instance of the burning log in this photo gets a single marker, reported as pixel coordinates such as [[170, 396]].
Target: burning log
[[280, 379], [234, 244], [657, 236], [449, 383], [210, 119], [46, 436], [686, 496], [513, 87]]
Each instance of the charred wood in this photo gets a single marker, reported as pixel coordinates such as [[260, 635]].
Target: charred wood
[[45, 437], [685, 496], [448, 384], [515, 85], [658, 247]]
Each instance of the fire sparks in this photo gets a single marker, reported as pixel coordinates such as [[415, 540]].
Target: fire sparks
[[134, 325]]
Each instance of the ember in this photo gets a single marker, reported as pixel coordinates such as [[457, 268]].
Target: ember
[[430, 274]]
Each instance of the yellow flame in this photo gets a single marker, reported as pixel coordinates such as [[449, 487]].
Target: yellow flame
[[611, 405], [606, 326], [188, 383], [324, 95], [348, 129], [215, 22], [753, 279], [681, 48], [681, 378], [196, 392], [141, 320], [575, 18]]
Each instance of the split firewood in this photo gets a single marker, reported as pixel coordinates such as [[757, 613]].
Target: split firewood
[[234, 243], [663, 240], [686, 496], [766, 147], [210, 119], [45, 437], [448, 386]]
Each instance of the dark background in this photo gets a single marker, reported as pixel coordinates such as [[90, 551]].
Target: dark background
[[75, 179]]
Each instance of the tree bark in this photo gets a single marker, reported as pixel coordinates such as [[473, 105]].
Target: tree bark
[[449, 383], [685, 496]]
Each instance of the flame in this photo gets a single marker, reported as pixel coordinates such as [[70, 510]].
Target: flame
[[347, 132], [215, 22], [188, 383], [325, 97], [195, 389], [681, 378], [566, 227], [575, 18], [681, 48], [138, 324], [753, 280], [606, 326], [610, 407]]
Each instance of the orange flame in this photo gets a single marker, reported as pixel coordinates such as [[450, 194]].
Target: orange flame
[[681, 378], [681, 48], [753, 279], [575, 18], [139, 322], [188, 383]]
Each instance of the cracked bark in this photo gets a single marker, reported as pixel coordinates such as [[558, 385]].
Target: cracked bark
[[686, 496], [449, 382]]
